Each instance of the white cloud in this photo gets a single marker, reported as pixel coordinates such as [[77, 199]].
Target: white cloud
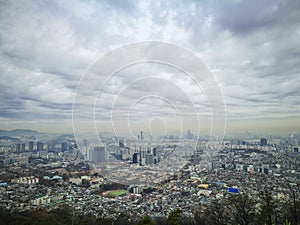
[[252, 47]]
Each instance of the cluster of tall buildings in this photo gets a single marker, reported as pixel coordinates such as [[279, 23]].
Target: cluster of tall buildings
[[40, 146], [98, 155], [141, 156], [22, 147], [139, 152], [145, 156]]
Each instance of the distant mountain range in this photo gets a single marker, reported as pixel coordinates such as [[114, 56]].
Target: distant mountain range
[[19, 132]]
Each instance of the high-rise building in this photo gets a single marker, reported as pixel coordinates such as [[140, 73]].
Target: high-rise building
[[50, 146], [263, 142], [30, 146], [85, 142], [98, 155], [135, 158], [39, 146], [154, 151], [140, 154], [149, 159], [23, 147], [64, 146], [189, 134], [149, 150], [200, 147], [121, 143], [18, 147]]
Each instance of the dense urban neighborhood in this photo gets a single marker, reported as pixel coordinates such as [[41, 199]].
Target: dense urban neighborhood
[[254, 181], [119, 112]]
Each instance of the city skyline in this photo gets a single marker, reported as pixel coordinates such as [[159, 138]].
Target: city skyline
[[250, 47]]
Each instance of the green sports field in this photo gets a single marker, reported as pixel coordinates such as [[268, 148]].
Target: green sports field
[[116, 193]]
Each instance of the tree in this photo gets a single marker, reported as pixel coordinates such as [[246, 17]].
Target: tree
[[122, 219], [145, 220], [217, 214], [268, 208], [161, 221], [186, 220], [43, 217], [200, 216], [241, 207], [293, 206], [174, 216]]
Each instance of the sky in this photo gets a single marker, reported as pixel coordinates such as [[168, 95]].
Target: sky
[[47, 48]]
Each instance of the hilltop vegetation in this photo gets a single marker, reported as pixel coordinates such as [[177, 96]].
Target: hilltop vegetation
[[239, 209]]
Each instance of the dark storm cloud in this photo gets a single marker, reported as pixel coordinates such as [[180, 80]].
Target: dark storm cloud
[[245, 16]]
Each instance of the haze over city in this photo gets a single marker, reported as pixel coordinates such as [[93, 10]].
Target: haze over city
[[251, 47], [119, 112]]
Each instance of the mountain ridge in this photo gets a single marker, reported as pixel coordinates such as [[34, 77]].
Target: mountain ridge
[[19, 132]]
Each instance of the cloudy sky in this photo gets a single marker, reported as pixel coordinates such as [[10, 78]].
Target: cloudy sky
[[251, 47]]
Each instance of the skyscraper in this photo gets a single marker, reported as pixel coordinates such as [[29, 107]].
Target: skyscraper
[[154, 152], [149, 159], [85, 142], [121, 143], [39, 146], [23, 146], [98, 155], [64, 146], [140, 154], [30, 146], [135, 158], [263, 142], [18, 147]]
